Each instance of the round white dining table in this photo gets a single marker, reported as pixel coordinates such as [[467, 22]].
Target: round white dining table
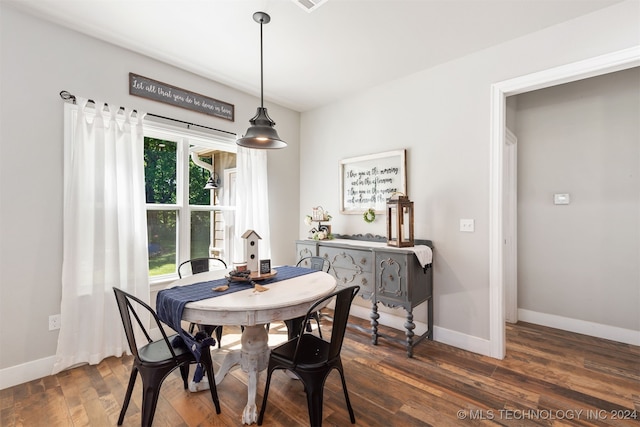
[[283, 300]]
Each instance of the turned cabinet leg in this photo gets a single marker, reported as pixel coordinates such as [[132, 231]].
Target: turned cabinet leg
[[374, 324], [410, 326]]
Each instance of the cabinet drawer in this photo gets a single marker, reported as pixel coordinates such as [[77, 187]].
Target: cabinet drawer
[[346, 278], [351, 267], [358, 260]]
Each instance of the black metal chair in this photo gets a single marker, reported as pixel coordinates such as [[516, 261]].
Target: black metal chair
[[156, 359], [314, 263], [312, 359], [199, 265], [202, 265]]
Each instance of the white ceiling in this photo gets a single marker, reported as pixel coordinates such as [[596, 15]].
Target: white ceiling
[[310, 59]]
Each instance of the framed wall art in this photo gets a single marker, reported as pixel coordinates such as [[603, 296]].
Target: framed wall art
[[366, 182]]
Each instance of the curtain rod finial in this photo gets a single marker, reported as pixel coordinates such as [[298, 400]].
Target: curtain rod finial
[[67, 96]]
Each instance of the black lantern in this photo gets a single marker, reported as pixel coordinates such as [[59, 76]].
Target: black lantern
[[399, 221]]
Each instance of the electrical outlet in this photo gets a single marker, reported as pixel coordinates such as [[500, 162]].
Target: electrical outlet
[[54, 322], [467, 225]]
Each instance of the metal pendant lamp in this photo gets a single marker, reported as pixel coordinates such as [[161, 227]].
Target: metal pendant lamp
[[213, 183], [261, 134]]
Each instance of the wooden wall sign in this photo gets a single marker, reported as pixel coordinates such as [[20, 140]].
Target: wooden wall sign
[[162, 92]]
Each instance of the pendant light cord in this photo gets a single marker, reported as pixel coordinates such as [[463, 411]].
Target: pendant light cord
[[261, 68]]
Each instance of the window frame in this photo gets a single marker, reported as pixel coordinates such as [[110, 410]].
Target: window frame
[[184, 139]]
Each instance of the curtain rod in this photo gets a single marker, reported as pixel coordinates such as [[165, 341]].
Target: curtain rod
[[67, 96]]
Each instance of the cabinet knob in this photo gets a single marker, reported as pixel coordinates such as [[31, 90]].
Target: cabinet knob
[[363, 261]]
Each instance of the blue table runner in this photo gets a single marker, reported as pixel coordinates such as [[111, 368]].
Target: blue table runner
[[170, 303]]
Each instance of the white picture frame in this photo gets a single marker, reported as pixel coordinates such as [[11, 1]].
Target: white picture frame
[[366, 182]]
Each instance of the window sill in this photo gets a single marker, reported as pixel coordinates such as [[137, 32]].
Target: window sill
[[156, 285]]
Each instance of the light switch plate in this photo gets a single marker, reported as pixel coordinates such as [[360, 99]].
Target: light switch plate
[[561, 199]]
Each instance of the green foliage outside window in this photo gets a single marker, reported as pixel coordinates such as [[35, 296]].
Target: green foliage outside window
[[160, 167], [160, 171]]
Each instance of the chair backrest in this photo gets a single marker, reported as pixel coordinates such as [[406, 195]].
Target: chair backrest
[[199, 265], [315, 263], [129, 306], [344, 297]]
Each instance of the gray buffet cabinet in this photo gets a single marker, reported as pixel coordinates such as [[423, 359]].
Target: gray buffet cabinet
[[387, 275]]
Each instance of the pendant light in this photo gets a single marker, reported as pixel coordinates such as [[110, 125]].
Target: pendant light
[[261, 134], [213, 183]]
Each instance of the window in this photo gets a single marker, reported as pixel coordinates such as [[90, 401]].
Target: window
[[185, 220]]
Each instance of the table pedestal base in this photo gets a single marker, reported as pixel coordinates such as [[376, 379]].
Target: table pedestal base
[[253, 357]]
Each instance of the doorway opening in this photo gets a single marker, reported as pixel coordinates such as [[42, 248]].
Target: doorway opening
[[498, 211]]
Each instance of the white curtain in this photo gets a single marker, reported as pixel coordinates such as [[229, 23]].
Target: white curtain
[[252, 201], [105, 231]]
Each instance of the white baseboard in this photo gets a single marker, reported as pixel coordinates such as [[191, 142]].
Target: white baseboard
[[614, 333], [442, 335], [26, 372], [40, 368], [463, 341]]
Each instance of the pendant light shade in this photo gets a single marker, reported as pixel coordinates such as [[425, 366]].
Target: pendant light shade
[[213, 183], [261, 134]]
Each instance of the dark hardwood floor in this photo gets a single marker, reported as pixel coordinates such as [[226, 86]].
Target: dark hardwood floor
[[549, 377]]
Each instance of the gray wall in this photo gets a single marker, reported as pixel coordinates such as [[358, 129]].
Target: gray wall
[[39, 60], [581, 260], [441, 116]]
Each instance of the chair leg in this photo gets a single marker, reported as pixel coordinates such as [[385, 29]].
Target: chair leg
[[316, 316], [264, 398], [208, 364], [346, 396], [184, 373], [294, 327], [314, 403], [150, 395], [219, 336], [127, 396]]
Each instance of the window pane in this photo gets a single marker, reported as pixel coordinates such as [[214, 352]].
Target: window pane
[[198, 177], [161, 226], [201, 234], [160, 170]]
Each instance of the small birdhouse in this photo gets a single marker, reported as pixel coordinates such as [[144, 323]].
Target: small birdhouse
[[399, 221], [251, 250]]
